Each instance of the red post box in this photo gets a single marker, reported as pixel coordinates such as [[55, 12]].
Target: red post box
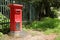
[[15, 17]]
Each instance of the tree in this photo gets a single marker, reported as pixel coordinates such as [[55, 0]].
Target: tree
[[42, 7]]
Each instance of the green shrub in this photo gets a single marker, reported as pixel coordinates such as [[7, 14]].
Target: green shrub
[[4, 23], [44, 24], [1, 34]]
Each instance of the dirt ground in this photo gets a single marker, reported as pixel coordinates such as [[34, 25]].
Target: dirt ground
[[31, 35]]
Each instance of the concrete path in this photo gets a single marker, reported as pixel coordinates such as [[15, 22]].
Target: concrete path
[[32, 35]]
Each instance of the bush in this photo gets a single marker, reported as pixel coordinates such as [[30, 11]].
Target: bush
[[44, 24], [1, 34], [4, 24]]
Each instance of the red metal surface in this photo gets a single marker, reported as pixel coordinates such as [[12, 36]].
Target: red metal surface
[[15, 16]]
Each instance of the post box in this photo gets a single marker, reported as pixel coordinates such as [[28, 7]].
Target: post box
[[15, 17]]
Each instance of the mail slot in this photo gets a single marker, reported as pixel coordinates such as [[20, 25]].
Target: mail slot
[[18, 10]]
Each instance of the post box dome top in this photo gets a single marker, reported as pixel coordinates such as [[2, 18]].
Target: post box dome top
[[15, 5]]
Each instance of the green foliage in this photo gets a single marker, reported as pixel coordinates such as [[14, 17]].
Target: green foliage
[[44, 24], [1, 34], [48, 25], [4, 24], [57, 38], [56, 11]]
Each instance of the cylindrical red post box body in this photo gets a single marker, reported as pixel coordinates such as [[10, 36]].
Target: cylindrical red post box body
[[15, 17]]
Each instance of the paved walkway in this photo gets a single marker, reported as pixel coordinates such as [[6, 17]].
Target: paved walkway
[[32, 35]]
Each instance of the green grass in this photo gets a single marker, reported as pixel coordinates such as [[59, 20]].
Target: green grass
[[56, 30], [57, 38], [47, 25]]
